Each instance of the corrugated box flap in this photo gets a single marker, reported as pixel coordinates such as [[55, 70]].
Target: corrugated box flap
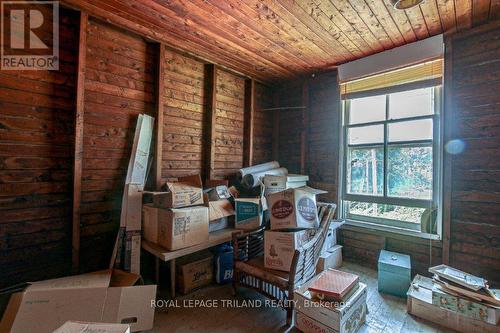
[[131, 305], [99, 279]]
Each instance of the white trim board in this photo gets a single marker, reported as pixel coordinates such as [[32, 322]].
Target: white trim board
[[409, 54]]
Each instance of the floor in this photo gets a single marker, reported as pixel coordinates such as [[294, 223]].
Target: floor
[[213, 309]]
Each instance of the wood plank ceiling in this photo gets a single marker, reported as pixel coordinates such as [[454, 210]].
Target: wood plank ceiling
[[273, 40]]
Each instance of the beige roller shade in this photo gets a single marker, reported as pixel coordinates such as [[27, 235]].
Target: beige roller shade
[[425, 71]]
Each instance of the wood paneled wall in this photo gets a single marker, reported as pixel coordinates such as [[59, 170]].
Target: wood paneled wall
[[119, 85], [263, 125], [229, 124], [36, 159], [323, 140], [474, 118], [119, 75], [183, 107], [291, 124]]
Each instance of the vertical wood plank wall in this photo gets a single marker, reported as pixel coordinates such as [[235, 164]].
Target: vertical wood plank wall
[[475, 181], [119, 85], [37, 110]]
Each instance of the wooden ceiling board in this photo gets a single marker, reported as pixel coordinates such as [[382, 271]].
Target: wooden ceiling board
[[275, 40]]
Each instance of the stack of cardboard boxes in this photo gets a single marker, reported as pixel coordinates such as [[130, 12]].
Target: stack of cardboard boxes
[[345, 314], [294, 220], [177, 218]]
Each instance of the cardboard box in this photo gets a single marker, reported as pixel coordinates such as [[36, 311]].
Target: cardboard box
[[280, 246], [108, 296], [86, 327], [194, 271], [185, 192], [330, 259], [249, 213], [465, 307], [219, 192], [275, 184], [307, 324], [182, 227], [220, 214], [150, 223], [294, 208], [419, 304], [335, 315]]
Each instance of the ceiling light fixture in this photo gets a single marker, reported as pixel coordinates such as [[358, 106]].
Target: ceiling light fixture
[[405, 4]]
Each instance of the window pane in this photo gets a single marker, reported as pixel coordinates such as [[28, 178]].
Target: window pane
[[367, 109], [411, 130], [389, 212], [365, 171], [366, 134], [411, 103], [409, 172]]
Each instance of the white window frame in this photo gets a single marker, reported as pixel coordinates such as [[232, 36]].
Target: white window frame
[[437, 149]]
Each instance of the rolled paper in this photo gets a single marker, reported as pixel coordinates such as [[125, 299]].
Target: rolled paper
[[258, 168], [252, 180]]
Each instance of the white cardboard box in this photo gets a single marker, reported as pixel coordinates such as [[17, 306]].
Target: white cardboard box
[[294, 208], [335, 315], [182, 227], [309, 325], [280, 246], [275, 184], [107, 296], [150, 223], [332, 258], [186, 191], [86, 327]]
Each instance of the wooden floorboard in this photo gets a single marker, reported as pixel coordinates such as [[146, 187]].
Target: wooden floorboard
[[385, 313]]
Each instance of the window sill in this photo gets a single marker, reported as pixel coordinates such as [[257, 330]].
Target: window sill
[[390, 229]]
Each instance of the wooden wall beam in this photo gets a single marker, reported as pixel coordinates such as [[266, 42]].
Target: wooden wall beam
[[160, 94], [447, 158], [78, 160], [276, 127], [305, 127], [249, 122], [211, 91]]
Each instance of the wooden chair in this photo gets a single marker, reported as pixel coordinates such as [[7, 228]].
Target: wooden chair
[[249, 270]]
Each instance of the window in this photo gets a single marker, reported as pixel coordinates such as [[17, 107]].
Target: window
[[391, 159]]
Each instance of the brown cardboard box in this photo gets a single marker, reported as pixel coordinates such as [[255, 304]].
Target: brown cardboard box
[[185, 192], [280, 246], [294, 208], [86, 327], [419, 304], [194, 271], [220, 214], [150, 223], [182, 227], [95, 297]]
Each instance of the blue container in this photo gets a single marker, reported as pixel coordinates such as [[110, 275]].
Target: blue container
[[223, 263], [394, 273]]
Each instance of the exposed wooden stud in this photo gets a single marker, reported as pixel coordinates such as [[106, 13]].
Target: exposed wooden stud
[[211, 91], [78, 161], [447, 158], [305, 127], [160, 93], [276, 127], [249, 122]]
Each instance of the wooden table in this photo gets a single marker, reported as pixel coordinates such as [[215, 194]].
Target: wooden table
[[162, 254]]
